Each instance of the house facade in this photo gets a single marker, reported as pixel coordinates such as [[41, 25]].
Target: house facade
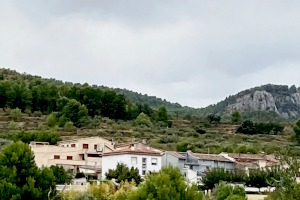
[[206, 162], [194, 165], [84, 154], [247, 162], [145, 159]]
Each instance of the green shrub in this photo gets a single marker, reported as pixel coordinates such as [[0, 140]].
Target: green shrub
[[223, 191], [143, 119], [37, 114], [168, 183], [122, 173], [12, 125], [41, 126], [136, 134], [16, 114], [50, 136], [167, 139], [51, 120], [69, 127], [28, 111]]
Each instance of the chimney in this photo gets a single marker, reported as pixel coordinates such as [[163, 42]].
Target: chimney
[[132, 147]]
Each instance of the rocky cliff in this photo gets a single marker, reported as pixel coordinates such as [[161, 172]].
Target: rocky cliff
[[281, 99], [288, 106]]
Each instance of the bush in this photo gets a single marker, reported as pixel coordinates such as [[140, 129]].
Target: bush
[[184, 146], [223, 191], [143, 119], [216, 175], [167, 139], [37, 114], [213, 119], [16, 114], [41, 126], [69, 127], [248, 127], [236, 118], [168, 183], [12, 125], [122, 173], [136, 134], [51, 120], [28, 111], [50, 136]]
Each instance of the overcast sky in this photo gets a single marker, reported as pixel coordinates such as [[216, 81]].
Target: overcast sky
[[192, 52]]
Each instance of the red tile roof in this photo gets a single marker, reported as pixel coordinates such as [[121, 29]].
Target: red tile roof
[[136, 151]]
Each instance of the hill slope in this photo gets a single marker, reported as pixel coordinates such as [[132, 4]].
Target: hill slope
[[279, 101]]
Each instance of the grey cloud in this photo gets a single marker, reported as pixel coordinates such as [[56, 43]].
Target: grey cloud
[[192, 52]]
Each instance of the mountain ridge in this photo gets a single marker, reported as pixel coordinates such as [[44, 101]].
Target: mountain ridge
[[283, 100]]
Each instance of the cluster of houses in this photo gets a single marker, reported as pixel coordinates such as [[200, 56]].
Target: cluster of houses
[[96, 155]]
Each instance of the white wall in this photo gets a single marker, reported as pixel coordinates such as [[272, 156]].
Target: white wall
[[110, 162], [190, 175]]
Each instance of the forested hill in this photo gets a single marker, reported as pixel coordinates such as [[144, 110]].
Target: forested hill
[[25, 90], [263, 102]]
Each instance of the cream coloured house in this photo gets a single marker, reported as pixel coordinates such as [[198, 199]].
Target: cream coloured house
[[84, 154]]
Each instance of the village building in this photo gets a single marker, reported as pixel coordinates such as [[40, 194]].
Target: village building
[[145, 159], [247, 162], [194, 165], [206, 162], [84, 154]]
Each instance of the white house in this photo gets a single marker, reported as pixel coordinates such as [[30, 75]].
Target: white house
[[145, 159]]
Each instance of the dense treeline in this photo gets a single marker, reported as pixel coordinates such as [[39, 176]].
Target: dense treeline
[[76, 103], [256, 177], [248, 127]]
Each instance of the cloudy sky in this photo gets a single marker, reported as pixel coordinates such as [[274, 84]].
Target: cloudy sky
[[192, 52]]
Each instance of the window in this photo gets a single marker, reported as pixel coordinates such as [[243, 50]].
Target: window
[[154, 161], [85, 146], [144, 160], [143, 172], [67, 145], [93, 155], [95, 147], [73, 145], [69, 157], [133, 160], [56, 157], [144, 165]]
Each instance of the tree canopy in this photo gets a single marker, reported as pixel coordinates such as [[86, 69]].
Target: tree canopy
[[19, 176], [168, 183], [122, 173]]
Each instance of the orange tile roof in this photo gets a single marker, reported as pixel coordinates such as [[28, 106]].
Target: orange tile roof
[[137, 151]]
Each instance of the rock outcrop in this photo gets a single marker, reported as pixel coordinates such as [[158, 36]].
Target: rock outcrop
[[287, 105]]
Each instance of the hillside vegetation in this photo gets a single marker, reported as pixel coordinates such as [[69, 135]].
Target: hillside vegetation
[[40, 109]]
